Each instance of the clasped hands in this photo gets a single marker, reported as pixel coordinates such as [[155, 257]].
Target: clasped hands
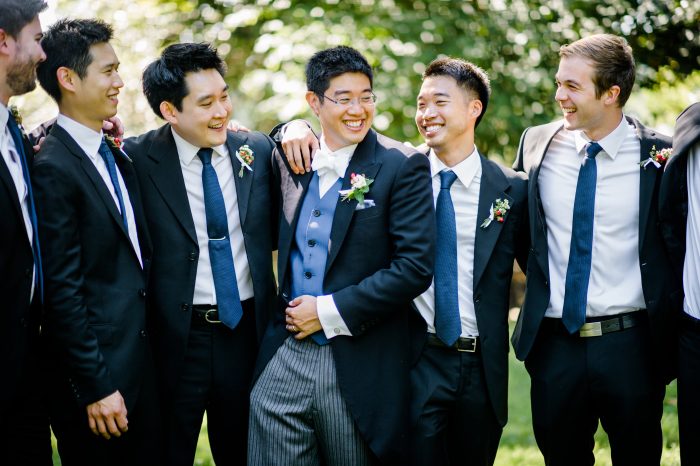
[[302, 316]]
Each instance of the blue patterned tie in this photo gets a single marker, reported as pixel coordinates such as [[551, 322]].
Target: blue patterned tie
[[448, 326], [225, 283], [36, 250], [108, 157], [578, 271]]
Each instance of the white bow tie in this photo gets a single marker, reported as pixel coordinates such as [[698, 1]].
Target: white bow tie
[[328, 162]]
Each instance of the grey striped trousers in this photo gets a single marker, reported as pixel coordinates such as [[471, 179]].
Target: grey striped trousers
[[297, 414]]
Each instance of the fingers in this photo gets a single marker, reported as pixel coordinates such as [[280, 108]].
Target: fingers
[[93, 425], [38, 144], [314, 147], [102, 429], [111, 425]]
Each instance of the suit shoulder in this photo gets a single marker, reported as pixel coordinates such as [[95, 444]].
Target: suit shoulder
[[50, 149], [398, 152], [262, 141]]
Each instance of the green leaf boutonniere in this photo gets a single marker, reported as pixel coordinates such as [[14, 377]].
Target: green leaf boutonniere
[[359, 187], [16, 115], [245, 155], [497, 212], [657, 157]]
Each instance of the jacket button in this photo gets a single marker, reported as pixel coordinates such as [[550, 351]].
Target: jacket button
[[307, 275], [192, 256], [312, 243], [142, 293], [316, 213], [142, 333], [185, 307]]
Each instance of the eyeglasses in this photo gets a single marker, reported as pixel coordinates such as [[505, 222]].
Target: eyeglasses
[[347, 102]]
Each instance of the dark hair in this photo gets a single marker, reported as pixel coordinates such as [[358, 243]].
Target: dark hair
[[469, 77], [67, 44], [612, 60], [164, 79], [16, 14], [330, 63]]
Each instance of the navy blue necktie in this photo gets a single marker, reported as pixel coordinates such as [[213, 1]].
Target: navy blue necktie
[[108, 157], [448, 326], [36, 250], [578, 271], [225, 283]]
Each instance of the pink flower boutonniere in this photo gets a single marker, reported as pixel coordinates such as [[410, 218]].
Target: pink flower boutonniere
[[497, 212], [360, 187], [657, 157], [245, 155]]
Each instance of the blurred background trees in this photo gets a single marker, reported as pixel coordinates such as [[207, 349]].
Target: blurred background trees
[[267, 42]]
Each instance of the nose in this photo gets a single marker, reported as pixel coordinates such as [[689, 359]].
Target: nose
[[221, 109], [118, 83], [42, 56], [560, 94]]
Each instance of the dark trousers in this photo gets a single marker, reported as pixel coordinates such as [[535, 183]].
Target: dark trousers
[[451, 412], [689, 388], [215, 377], [578, 381], [139, 446]]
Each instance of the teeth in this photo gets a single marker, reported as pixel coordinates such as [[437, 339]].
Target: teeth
[[432, 128], [568, 109], [354, 124], [216, 126]]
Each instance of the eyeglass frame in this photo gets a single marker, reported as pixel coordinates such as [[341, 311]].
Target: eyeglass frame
[[372, 96]]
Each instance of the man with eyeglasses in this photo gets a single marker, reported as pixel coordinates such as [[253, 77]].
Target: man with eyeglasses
[[356, 245]]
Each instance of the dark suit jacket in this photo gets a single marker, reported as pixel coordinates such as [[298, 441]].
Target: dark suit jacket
[[19, 321], [380, 258], [673, 197], [652, 254], [175, 252], [95, 287]]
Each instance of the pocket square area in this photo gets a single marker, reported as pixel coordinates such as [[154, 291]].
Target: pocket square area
[[365, 204]]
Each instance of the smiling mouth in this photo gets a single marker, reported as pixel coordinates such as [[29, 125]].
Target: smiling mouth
[[568, 110], [217, 126], [430, 130], [354, 125]]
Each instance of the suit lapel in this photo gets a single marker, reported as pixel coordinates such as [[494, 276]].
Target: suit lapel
[[243, 183], [8, 182], [166, 175], [493, 186], [647, 177], [362, 162], [294, 189]]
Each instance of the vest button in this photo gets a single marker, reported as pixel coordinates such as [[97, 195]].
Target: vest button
[[312, 243], [307, 274], [316, 213]]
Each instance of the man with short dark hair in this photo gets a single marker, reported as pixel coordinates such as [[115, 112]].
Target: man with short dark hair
[[96, 253], [210, 204], [595, 327], [356, 245], [459, 387], [24, 429]]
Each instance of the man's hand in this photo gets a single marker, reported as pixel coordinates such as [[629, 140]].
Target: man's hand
[[302, 316], [113, 127], [235, 126], [107, 417], [299, 144]]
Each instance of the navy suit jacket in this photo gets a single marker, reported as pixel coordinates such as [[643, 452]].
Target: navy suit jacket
[[653, 259], [175, 247], [380, 258], [95, 301]]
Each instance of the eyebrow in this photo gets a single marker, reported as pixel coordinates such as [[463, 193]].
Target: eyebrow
[[347, 91], [209, 96], [437, 94]]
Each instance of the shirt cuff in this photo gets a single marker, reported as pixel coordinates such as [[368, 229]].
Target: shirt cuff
[[329, 316]]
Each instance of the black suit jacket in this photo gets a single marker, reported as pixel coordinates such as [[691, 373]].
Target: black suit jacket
[[673, 198], [95, 287], [175, 251], [380, 258], [656, 285], [19, 319]]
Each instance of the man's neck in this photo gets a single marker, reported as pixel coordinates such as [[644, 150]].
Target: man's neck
[[453, 156], [607, 125], [77, 116]]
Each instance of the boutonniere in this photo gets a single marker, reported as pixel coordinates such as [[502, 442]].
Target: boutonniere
[[657, 157], [245, 155], [497, 212], [114, 141], [360, 187], [16, 115]]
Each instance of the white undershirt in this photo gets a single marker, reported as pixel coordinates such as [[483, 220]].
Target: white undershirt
[[691, 266]]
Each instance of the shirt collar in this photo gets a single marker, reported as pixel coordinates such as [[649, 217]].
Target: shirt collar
[[4, 117], [466, 170], [611, 143], [187, 152], [88, 140]]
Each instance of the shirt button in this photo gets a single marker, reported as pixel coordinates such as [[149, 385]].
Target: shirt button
[[312, 243], [336, 331], [307, 274], [316, 213]]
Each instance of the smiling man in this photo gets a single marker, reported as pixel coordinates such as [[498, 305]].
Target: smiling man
[[594, 330], [95, 259], [209, 204], [355, 247]]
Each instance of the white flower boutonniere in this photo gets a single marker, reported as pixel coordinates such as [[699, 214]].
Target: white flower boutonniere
[[245, 155], [16, 115], [657, 157], [497, 212], [360, 186]]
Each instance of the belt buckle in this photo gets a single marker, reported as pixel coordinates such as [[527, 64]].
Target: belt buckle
[[211, 321], [591, 329], [468, 350]]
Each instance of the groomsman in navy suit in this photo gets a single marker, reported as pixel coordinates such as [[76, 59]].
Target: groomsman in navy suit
[[595, 329], [679, 210], [355, 247], [24, 426], [459, 397], [210, 204]]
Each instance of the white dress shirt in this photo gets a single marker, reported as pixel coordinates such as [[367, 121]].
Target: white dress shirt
[[11, 157], [691, 266], [89, 141], [465, 199], [191, 165], [615, 284]]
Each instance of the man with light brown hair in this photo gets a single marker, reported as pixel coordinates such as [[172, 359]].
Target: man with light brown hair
[[595, 327]]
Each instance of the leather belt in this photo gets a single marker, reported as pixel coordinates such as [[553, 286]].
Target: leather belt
[[599, 327], [207, 313], [463, 344]]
